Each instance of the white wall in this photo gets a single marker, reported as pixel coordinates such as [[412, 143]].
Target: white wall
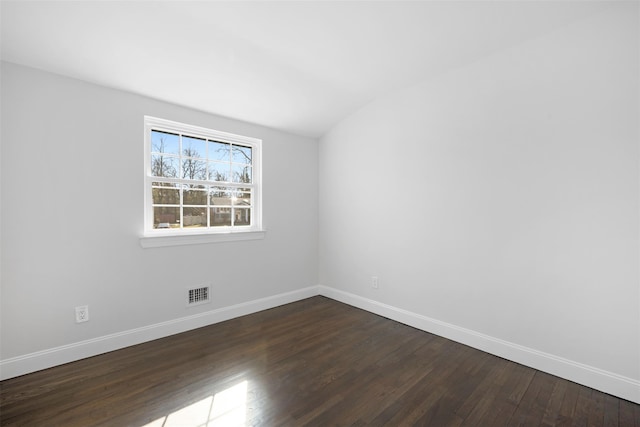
[[502, 198], [72, 212]]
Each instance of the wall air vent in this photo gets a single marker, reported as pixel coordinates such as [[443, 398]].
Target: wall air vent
[[199, 295]]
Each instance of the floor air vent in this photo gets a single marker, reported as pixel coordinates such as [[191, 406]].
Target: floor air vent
[[199, 295]]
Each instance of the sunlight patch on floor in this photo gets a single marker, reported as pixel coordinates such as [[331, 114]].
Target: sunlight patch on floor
[[225, 408]]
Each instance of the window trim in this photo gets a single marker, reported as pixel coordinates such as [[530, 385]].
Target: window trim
[[152, 237], [157, 241]]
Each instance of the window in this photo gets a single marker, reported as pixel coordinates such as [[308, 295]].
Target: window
[[200, 181]]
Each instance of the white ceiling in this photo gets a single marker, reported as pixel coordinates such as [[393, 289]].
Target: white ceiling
[[298, 66]]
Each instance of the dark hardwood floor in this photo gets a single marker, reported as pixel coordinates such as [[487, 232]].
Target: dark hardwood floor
[[313, 362]]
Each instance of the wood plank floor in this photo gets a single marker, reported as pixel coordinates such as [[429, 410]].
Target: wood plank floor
[[314, 362]]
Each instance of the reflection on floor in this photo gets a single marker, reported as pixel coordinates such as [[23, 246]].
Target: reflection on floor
[[227, 408]]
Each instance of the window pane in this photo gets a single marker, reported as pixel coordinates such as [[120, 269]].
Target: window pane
[[241, 154], [194, 195], [220, 196], [241, 198], [194, 169], [220, 217], [241, 173], [219, 150], [164, 166], [194, 147], [242, 216], [218, 171], [166, 217], [164, 142], [194, 217], [167, 194]]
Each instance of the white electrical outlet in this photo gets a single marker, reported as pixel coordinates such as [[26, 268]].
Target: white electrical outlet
[[82, 313], [374, 282]]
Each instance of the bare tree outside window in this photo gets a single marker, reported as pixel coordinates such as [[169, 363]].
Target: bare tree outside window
[[194, 153], [161, 164]]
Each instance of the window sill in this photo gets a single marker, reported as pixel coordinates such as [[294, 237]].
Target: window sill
[[160, 240]]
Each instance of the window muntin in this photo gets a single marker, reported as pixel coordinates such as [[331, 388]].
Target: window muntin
[[200, 180]]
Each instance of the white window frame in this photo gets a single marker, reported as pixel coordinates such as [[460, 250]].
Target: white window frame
[[154, 237]]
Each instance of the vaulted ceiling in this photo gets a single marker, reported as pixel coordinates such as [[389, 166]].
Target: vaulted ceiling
[[296, 66]]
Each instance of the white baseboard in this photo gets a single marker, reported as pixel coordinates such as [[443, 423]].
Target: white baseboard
[[599, 379], [589, 376], [37, 361]]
